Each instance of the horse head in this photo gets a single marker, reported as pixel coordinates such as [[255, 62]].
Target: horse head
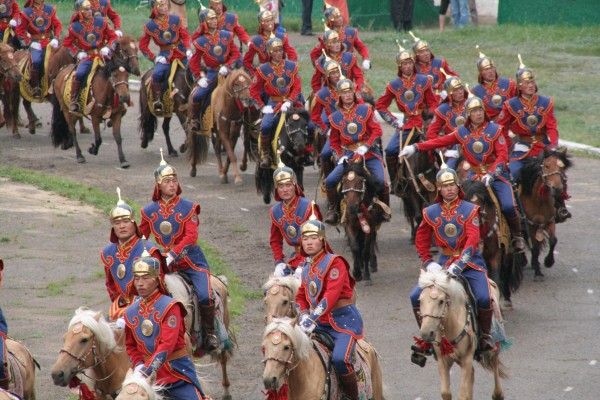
[[295, 133], [284, 346], [476, 192], [119, 79], [88, 343], [280, 295], [357, 185], [8, 65], [139, 388], [549, 167], [238, 87], [126, 52]]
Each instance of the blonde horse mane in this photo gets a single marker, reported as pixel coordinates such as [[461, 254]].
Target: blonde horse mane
[[300, 341], [152, 390], [178, 289], [289, 282], [101, 329], [445, 283]]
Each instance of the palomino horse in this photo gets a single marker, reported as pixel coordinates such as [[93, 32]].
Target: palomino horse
[[542, 180], [107, 100], [361, 218], [497, 252], [280, 297], [20, 362], [182, 85], [138, 388], [290, 357], [95, 350], [184, 292], [290, 144], [10, 75], [451, 328]]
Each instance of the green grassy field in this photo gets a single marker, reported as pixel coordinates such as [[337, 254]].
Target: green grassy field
[[565, 59]]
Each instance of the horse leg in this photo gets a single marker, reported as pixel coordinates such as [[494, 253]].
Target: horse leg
[[231, 157], [467, 377], [535, 263], [33, 120], [498, 393], [217, 145], [82, 128], [73, 132], [373, 257], [116, 127], [552, 240], [166, 128], [225, 381], [95, 146], [366, 257], [444, 372], [353, 241]]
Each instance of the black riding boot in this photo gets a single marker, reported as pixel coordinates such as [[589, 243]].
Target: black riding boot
[[333, 214], [157, 96], [265, 148], [195, 117], [484, 317], [74, 105], [349, 385], [207, 314], [34, 82], [392, 165], [562, 213], [518, 244]]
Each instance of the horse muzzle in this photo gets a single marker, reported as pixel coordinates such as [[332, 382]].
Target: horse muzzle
[[271, 382], [245, 102], [354, 209], [124, 99], [61, 377], [428, 336]]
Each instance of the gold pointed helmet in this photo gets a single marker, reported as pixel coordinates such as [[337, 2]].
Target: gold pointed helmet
[[284, 174], [524, 73], [164, 170], [473, 103], [452, 83], [484, 62], [146, 265], [404, 55], [330, 66], [419, 43], [330, 36], [83, 5], [274, 43], [344, 86], [331, 13], [446, 175], [121, 211], [313, 226]]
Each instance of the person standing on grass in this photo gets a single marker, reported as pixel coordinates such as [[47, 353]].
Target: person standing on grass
[[460, 13], [401, 12], [307, 6]]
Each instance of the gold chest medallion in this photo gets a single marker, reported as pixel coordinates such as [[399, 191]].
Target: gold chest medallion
[[39, 21], [167, 35], [97, 14], [280, 82], [409, 95], [91, 38], [2, 8], [450, 230], [218, 50], [121, 271], [165, 227], [532, 120], [291, 231], [147, 328], [312, 289], [478, 147], [460, 120], [496, 99], [352, 128]]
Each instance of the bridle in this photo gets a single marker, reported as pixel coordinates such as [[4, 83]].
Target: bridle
[[557, 172], [122, 54], [290, 308], [4, 70], [291, 132], [97, 360], [287, 362]]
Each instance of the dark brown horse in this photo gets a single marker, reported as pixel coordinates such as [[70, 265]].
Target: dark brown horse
[[9, 72], [361, 218], [542, 180], [182, 85]]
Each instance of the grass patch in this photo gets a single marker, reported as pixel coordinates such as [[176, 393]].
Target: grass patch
[[58, 288], [4, 239]]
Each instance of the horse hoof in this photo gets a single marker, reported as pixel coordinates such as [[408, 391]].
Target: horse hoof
[[243, 167], [373, 268], [84, 130], [368, 282], [32, 130], [539, 278], [16, 136], [238, 181], [81, 160], [224, 179], [506, 305], [193, 172], [93, 150], [109, 124], [173, 153], [182, 149], [548, 263], [38, 123], [125, 165]]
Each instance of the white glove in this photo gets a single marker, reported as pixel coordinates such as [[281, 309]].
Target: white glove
[[298, 273], [443, 94], [408, 151], [366, 64], [451, 153], [203, 82], [81, 55], [223, 70], [362, 150], [342, 159], [120, 323], [521, 147], [169, 260], [160, 59], [188, 54], [454, 269], [36, 45], [487, 179], [434, 267], [279, 269], [54, 43], [119, 33], [285, 107], [137, 372], [307, 326], [105, 51], [267, 109], [398, 123], [13, 23]]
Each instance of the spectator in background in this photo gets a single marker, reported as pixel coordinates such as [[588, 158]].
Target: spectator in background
[[473, 11], [402, 13], [460, 13], [342, 5], [443, 10], [306, 18]]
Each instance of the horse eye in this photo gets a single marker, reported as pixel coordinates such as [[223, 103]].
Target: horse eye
[[286, 347], [84, 340], [441, 302], [285, 302]]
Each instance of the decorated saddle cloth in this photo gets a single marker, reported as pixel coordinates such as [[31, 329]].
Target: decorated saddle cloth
[[361, 368], [168, 92], [25, 87], [16, 384], [86, 102]]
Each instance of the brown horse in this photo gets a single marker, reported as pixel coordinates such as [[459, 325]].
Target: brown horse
[[10, 76], [542, 180], [280, 297], [94, 350], [20, 362], [108, 99], [289, 357]]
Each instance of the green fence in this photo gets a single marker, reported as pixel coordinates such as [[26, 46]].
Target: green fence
[[549, 12]]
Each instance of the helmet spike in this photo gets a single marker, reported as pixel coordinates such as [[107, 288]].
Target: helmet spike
[[145, 252], [400, 48], [313, 217], [327, 28], [120, 202], [445, 73], [416, 39], [521, 65], [469, 91], [162, 159], [201, 5], [481, 55], [327, 58], [327, 5]]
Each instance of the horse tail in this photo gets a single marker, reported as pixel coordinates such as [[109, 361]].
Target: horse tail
[[59, 128], [197, 149], [263, 179], [147, 122], [491, 361], [512, 273]]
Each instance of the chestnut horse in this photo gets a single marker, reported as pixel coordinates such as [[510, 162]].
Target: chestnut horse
[[94, 350], [448, 324], [290, 357], [542, 180], [20, 361], [280, 297], [10, 76]]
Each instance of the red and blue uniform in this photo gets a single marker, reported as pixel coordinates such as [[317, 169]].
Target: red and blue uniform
[[533, 122], [258, 46], [41, 25], [447, 117], [88, 36], [350, 69], [161, 348], [351, 128], [10, 11], [174, 224], [455, 226], [326, 294], [349, 39], [433, 69], [494, 95], [229, 22], [103, 8]]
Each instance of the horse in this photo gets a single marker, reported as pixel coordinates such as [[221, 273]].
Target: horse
[[361, 218], [182, 85], [21, 365], [449, 329], [415, 182], [95, 350], [499, 257], [139, 388], [280, 297], [9, 72], [183, 291], [250, 131], [291, 357], [542, 180], [290, 144], [109, 94]]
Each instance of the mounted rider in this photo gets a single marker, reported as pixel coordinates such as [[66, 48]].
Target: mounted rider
[[485, 151], [287, 216], [258, 44], [326, 302], [280, 80], [531, 118], [88, 38], [348, 37], [454, 223], [218, 51], [103, 8], [10, 15], [174, 223], [493, 90], [42, 28], [172, 38], [414, 96], [118, 257], [155, 334], [353, 133], [228, 21]]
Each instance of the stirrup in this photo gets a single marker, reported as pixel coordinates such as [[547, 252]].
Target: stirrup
[[265, 162], [158, 106], [74, 107], [562, 214], [332, 217], [211, 343], [418, 356], [518, 244], [486, 343]]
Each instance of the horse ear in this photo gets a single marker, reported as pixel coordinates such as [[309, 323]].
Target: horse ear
[[98, 315], [562, 150], [294, 321]]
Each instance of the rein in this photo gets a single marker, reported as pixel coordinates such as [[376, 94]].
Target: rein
[[284, 362], [442, 317], [4, 70]]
